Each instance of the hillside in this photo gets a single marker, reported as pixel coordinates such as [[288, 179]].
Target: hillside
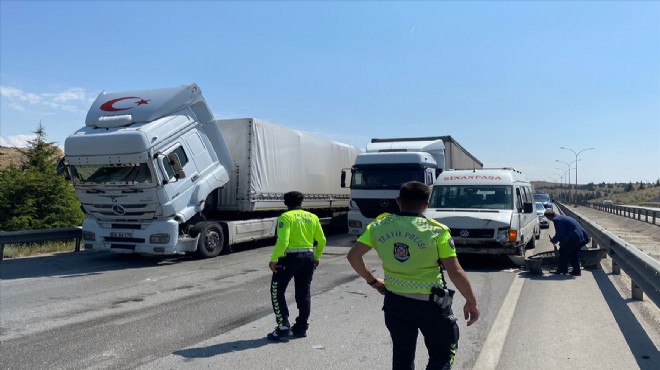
[[10, 156], [14, 156], [620, 193]]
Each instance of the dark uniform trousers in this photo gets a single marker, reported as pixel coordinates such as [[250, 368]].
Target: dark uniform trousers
[[569, 251], [300, 267], [405, 316]]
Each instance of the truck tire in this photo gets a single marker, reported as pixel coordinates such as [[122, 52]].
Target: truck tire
[[211, 241]]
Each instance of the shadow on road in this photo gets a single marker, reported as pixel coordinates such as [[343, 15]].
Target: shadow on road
[[485, 263], [222, 348], [641, 346], [88, 262], [74, 264]]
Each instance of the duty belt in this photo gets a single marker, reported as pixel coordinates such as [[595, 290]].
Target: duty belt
[[417, 296], [299, 250]]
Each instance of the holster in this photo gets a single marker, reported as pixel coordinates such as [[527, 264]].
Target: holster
[[443, 297]]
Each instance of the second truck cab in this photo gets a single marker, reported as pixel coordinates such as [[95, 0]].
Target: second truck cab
[[378, 174]]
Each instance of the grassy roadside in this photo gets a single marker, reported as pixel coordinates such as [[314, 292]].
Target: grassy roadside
[[35, 249]]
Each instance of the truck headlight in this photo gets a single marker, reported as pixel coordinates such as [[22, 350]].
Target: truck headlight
[[354, 223], [159, 238], [503, 235], [89, 236]]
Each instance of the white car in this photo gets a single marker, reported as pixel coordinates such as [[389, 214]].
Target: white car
[[540, 212]]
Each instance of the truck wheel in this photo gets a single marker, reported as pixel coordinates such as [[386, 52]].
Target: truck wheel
[[211, 240]]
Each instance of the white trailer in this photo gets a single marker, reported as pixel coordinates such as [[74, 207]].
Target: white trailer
[[271, 160], [157, 174]]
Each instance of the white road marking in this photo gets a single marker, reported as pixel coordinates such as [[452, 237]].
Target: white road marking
[[492, 349]]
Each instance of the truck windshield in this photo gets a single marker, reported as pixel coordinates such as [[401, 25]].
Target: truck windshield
[[125, 173], [385, 178], [472, 196]]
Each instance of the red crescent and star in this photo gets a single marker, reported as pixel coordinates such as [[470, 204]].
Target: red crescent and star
[[109, 105]]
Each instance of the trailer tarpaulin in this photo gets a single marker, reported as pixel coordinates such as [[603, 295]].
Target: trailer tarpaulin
[[271, 160]]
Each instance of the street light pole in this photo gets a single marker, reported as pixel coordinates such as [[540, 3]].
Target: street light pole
[[563, 174], [568, 180], [576, 168]]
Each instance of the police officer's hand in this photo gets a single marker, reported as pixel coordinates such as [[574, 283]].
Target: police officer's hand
[[273, 266], [379, 285], [471, 312], [316, 264]]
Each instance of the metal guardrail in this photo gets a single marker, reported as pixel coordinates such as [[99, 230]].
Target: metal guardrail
[[33, 236], [644, 271], [649, 215]]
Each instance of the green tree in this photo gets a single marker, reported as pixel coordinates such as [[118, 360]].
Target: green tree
[[629, 187], [33, 195]]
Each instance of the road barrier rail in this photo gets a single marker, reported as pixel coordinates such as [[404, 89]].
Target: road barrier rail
[[644, 271], [638, 213], [42, 235]]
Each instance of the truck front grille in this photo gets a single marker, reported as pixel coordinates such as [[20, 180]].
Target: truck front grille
[[473, 233], [371, 208]]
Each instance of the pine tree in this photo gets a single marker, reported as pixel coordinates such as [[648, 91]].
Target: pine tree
[[629, 187], [33, 195]]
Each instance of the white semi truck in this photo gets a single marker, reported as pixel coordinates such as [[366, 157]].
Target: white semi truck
[[377, 175], [156, 174]]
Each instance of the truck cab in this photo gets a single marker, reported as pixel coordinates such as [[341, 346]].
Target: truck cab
[[142, 168], [375, 182]]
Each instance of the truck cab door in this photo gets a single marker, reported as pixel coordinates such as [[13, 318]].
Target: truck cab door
[[177, 171]]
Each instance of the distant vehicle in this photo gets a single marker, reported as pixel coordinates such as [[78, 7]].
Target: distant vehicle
[[540, 212], [608, 202], [544, 199]]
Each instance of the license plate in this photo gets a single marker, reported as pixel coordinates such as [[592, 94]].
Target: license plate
[[121, 235]]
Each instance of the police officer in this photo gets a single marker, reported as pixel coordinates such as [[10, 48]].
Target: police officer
[[294, 256], [571, 237], [414, 251]]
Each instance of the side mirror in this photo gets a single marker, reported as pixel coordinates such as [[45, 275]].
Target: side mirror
[[343, 178], [528, 207], [173, 158], [62, 168]]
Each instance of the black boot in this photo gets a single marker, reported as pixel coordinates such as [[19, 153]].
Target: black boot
[[280, 332], [299, 330]]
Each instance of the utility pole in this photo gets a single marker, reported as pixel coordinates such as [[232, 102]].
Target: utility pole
[[576, 169]]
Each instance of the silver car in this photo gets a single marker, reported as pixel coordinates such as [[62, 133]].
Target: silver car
[[540, 212]]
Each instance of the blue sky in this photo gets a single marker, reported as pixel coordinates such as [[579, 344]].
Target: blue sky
[[511, 81]]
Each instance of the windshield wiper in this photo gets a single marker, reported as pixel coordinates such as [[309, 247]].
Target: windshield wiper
[[94, 191], [133, 190]]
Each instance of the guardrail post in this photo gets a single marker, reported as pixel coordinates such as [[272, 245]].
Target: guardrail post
[[654, 217], [2, 251], [77, 245], [616, 269], [637, 292]]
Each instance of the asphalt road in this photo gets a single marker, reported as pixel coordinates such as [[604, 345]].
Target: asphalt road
[[94, 310]]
